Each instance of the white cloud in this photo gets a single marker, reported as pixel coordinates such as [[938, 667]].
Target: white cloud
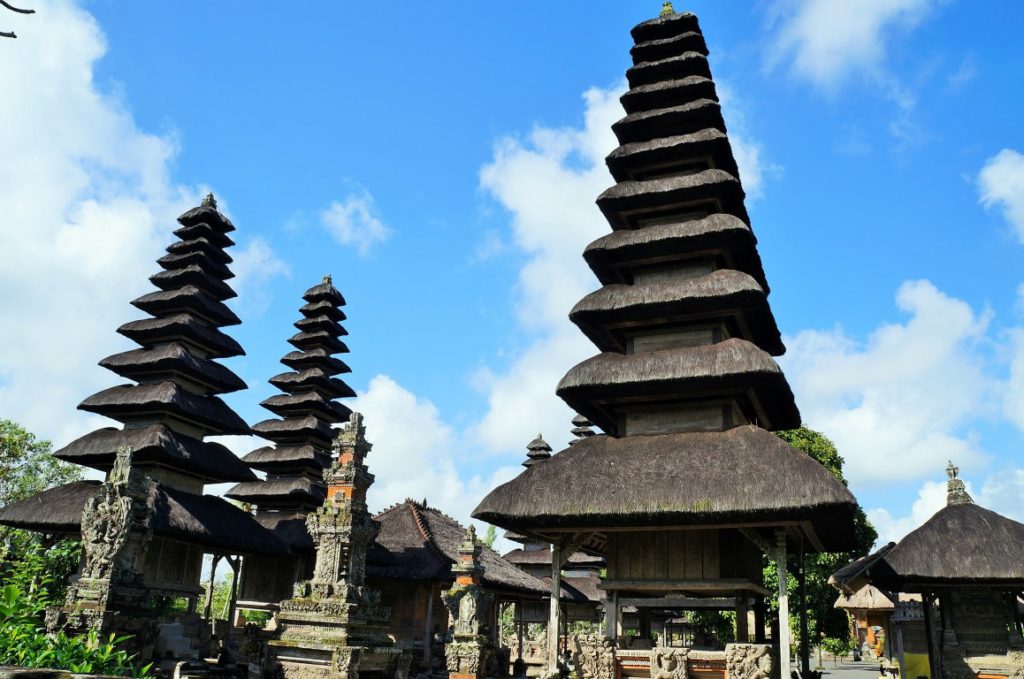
[[903, 399], [354, 222], [416, 454], [828, 41], [254, 267], [1001, 185], [964, 74], [754, 169], [88, 205]]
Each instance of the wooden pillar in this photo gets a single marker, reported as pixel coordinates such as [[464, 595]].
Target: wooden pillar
[[208, 608], [519, 614], [805, 645], [933, 661], [644, 622], [232, 604], [611, 605], [618, 617], [742, 628], [780, 562], [554, 617], [759, 614], [428, 631]]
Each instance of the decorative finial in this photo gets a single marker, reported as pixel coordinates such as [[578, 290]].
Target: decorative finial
[[956, 490], [328, 280], [210, 201], [666, 9]]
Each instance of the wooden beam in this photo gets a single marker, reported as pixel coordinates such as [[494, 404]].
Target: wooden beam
[[729, 585], [766, 547], [676, 601]]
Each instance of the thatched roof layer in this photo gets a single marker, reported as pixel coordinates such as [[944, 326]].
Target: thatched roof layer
[[741, 475], [609, 255], [324, 292], [318, 340], [319, 358], [271, 458], [687, 118], [636, 160], [294, 430], [633, 200], [209, 215], [127, 403], [168, 360], [321, 322], [731, 366], [188, 299], [655, 50], [209, 252], [675, 67], [536, 557], [296, 490], [193, 274], [203, 230], [962, 544], [323, 308], [867, 598], [424, 544], [723, 293], [186, 328], [306, 403], [315, 379], [668, 93], [663, 27], [157, 444], [208, 521], [289, 528]]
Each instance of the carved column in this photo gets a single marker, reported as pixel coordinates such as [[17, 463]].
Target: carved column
[[109, 595], [468, 604], [780, 562]]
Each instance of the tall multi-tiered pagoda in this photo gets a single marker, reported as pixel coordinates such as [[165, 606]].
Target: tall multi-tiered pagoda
[[145, 529], [302, 435], [687, 487]]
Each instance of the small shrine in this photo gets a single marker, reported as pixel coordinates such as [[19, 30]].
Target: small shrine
[[469, 608], [967, 564], [302, 434], [335, 627]]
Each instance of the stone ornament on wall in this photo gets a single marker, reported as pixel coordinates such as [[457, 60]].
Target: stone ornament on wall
[[668, 663], [748, 661], [594, 656]]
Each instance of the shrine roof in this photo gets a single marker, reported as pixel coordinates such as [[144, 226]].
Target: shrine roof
[[270, 457], [55, 510], [157, 444], [187, 299], [653, 50], [299, 489], [129, 402], [173, 358], [186, 327], [626, 199], [742, 475], [866, 598]]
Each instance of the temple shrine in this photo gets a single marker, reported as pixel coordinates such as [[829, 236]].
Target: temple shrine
[[686, 488]]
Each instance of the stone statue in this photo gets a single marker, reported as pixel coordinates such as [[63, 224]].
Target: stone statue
[[748, 661], [668, 663], [594, 656]]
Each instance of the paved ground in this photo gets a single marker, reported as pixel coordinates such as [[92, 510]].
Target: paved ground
[[849, 670]]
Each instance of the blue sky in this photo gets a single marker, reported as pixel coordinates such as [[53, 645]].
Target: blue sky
[[441, 161]]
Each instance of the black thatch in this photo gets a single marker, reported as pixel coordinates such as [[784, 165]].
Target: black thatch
[[424, 543], [274, 458], [314, 379], [675, 67], [190, 300], [306, 403], [321, 322], [580, 589], [602, 314], [325, 292], [166, 361], [848, 578], [202, 230], [209, 215], [668, 93], [185, 327], [211, 522], [536, 557], [193, 274], [204, 520], [56, 510], [315, 358], [206, 252], [296, 431], [732, 366], [962, 544], [198, 258], [743, 475], [627, 204], [683, 119], [537, 450], [318, 340], [289, 528], [655, 50], [323, 308], [683, 153], [127, 403], [298, 490], [156, 444], [608, 255], [664, 27]]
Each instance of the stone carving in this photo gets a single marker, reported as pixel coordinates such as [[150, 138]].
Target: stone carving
[[668, 663], [345, 662], [468, 604], [594, 656], [748, 661], [1016, 659]]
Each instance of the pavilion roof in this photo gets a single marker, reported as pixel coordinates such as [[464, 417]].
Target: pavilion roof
[[867, 598], [536, 557]]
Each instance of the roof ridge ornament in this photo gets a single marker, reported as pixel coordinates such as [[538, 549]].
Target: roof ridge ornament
[[956, 490], [210, 201], [666, 10]]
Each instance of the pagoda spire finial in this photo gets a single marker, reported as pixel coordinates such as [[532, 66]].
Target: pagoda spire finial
[[956, 490], [328, 280], [210, 201], [666, 9]]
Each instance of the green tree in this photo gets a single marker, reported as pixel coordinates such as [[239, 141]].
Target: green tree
[[490, 536], [823, 620]]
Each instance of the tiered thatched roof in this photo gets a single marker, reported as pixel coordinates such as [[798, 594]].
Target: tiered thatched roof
[[174, 403], [307, 410], [537, 450], [686, 335], [417, 542]]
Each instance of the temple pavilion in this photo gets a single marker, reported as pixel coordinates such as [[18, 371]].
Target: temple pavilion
[[146, 527], [967, 564], [302, 434], [686, 488]]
